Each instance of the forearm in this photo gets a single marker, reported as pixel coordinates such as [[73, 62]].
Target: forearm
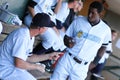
[[25, 65], [37, 58], [57, 8], [99, 55], [31, 10]]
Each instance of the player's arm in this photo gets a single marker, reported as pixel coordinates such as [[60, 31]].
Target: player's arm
[[42, 57], [69, 41], [19, 63], [29, 64], [99, 55], [31, 6], [58, 6], [101, 51]]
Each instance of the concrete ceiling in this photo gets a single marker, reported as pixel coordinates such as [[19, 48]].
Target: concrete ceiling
[[114, 6]]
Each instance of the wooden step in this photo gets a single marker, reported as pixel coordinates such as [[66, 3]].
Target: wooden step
[[39, 75]]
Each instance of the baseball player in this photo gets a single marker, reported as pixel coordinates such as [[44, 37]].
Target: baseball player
[[39, 6], [90, 37], [96, 72], [64, 12], [70, 18], [15, 49], [51, 38], [50, 42], [72, 14]]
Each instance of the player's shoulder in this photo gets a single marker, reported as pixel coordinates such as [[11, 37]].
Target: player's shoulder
[[22, 31], [81, 19], [104, 24]]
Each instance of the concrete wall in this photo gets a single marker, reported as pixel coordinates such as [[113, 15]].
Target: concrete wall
[[16, 6], [114, 22]]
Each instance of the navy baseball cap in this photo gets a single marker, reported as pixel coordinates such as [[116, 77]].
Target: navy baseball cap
[[42, 20]]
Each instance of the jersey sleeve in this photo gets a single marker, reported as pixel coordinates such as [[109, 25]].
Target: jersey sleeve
[[70, 30], [48, 38], [109, 48], [107, 39], [20, 48]]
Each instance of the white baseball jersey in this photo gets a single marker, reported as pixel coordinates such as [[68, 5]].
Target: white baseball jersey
[[42, 6], [88, 40], [18, 44], [63, 12], [1, 27], [51, 39], [106, 54]]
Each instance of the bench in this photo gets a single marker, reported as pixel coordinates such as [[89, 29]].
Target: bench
[[39, 75], [7, 28]]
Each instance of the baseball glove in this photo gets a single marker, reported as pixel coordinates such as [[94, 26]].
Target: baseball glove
[[69, 41]]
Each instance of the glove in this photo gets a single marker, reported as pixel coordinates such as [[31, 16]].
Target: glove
[[69, 41]]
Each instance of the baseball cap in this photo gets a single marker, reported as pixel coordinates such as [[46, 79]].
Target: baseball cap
[[42, 20]]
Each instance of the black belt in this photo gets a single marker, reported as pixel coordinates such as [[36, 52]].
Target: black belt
[[77, 60]]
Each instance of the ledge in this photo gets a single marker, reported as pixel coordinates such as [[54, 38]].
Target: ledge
[[39, 75]]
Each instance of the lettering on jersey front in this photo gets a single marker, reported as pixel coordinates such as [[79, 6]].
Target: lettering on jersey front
[[94, 38], [91, 37]]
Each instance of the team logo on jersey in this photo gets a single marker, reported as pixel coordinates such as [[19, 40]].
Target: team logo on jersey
[[79, 34]]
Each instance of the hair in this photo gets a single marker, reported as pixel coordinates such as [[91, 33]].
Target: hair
[[97, 5], [33, 27], [113, 31], [83, 0], [69, 1]]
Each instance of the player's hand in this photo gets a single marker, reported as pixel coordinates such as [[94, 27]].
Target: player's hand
[[69, 41], [91, 66], [40, 67], [54, 55]]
